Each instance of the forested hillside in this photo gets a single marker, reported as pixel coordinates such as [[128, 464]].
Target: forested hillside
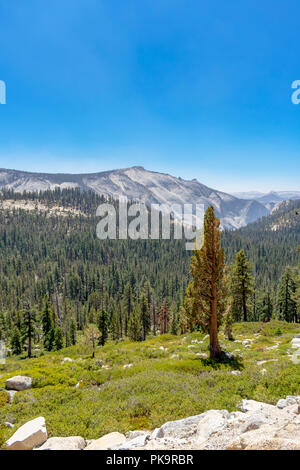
[[50, 258], [270, 243]]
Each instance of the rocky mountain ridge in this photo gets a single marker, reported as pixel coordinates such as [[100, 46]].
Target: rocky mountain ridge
[[148, 187]]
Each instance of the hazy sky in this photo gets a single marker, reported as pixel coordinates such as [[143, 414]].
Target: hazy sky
[[196, 89]]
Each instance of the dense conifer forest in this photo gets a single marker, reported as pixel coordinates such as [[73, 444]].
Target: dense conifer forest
[[57, 277]]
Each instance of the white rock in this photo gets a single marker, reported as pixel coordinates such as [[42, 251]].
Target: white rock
[[11, 394], [252, 405], [297, 420], [254, 421], [63, 443], [133, 434], [211, 422], [28, 436], [179, 429], [288, 401], [236, 416], [65, 360], [295, 340], [127, 366], [8, 425], [293, 399], [19, 382], [108, 441], [236, 372], [157, 433], [282, 403], [139, 441]]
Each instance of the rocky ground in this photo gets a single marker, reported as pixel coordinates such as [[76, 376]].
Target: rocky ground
[[256, 426]]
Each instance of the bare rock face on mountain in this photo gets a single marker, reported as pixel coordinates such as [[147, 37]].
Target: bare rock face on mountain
[[141, 185]]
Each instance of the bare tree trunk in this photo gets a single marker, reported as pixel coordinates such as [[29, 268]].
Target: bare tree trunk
[[215, 350]]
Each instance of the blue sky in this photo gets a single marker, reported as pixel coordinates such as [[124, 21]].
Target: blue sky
[[196, 89]]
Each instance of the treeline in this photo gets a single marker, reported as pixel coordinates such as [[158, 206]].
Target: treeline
[[270, 243], [55, 260], [219, 294], [54, 271]]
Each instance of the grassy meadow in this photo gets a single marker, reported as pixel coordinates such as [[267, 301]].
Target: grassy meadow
[[130, 385]]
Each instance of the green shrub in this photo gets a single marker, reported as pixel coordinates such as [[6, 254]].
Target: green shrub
[[4, 398]]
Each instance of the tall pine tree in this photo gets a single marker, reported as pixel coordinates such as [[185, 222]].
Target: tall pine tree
[[241, 285], [207, 292], [286, 306]]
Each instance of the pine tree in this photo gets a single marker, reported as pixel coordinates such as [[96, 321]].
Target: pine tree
[[207, 292], [128, 301], [3, 328], [49, 341], [148, 293], [174, 320], [28, 326], [296, 296], [73, 332], [164, 318], [47, 326], [184, 317], [286, 306], [16, 341], [145, 316], [58, 339], [153, 316], [103, 327], [115, 327], [241, 286], [135, 326], [264, 306]]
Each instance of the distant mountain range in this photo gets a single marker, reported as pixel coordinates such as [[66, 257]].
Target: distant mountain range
[[149, 187], [285, 216], [269, 198]]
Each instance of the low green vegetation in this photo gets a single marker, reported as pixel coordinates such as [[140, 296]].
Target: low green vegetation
[[141, 385]]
